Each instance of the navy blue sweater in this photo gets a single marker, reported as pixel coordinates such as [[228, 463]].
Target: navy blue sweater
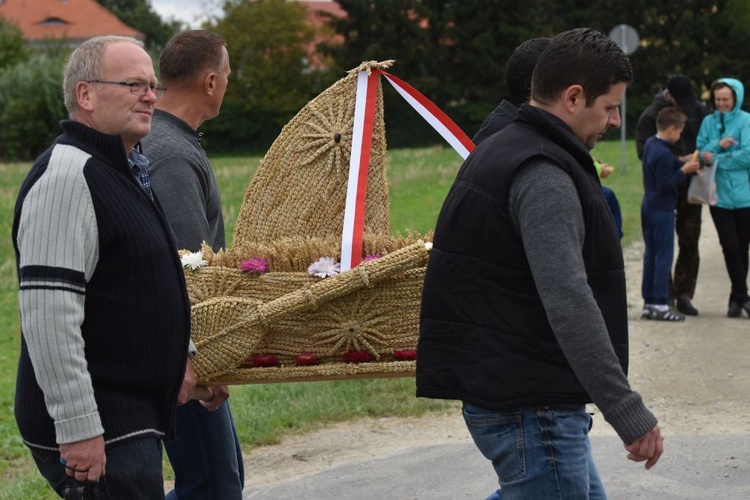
[[105, 314], [661, 175]]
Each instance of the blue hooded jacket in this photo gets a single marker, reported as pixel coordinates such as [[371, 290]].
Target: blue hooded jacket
[[733, 172]]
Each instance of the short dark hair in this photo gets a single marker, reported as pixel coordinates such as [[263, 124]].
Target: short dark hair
[[670, 117], [580, 56], [188, 54], [519, 68]]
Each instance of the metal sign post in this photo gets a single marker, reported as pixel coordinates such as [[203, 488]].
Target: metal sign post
[[626, 37]]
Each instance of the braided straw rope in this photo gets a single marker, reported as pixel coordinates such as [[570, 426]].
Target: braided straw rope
[[245, 321]]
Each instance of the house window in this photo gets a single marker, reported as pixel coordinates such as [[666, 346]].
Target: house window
[[52, 21]]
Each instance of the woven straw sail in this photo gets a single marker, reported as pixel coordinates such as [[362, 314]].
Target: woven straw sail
[[292, 215], [300, 186]]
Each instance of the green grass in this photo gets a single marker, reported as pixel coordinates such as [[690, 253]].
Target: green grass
[[419, 180]]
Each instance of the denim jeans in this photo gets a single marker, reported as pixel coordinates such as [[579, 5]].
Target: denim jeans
[[133, 470], [538, 452], [658, 236], [205, 455]]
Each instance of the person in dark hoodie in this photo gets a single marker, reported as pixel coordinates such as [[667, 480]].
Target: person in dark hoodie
[[679, 93], [524, 308], [518, 72]]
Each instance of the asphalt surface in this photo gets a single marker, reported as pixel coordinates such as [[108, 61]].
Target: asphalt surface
[[698, 465]]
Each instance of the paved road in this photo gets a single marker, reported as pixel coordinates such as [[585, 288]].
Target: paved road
[[455, 471], [698, 465]]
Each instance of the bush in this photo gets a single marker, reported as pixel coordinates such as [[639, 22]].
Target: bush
[[31, 105]]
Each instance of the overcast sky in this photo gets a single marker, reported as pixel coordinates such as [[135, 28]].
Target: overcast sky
[[192, 12]]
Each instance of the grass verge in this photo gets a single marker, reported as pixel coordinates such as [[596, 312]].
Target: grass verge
[[419, 180]]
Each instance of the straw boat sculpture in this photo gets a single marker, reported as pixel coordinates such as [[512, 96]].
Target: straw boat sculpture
[[285, 324]]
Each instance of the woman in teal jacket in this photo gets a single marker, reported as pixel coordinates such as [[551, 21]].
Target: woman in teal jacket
[[724, 137]]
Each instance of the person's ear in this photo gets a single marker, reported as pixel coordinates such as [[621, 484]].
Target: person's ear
[[84, 95], [209, 83], [573, 98]]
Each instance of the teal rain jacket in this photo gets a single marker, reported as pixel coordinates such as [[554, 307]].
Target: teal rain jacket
[[733, 173]]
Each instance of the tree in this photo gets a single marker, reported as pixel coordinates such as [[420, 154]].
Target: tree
[[12, 49], [140, 15], [271, 81], [454, 51]]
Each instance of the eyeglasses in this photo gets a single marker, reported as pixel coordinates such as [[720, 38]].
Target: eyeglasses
[[139, 88]]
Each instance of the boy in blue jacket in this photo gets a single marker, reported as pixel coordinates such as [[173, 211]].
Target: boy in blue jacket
[[662, 175]]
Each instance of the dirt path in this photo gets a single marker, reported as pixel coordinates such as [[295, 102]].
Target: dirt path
[[695, 376]]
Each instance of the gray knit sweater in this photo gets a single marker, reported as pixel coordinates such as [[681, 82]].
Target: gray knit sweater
[[183, 180], [547, 210]]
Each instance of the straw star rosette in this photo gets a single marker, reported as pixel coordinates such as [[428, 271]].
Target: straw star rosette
[[315, 286]]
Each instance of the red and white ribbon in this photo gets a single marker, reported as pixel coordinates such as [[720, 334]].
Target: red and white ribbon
[[359, 163], [441, 122], [359, 166]]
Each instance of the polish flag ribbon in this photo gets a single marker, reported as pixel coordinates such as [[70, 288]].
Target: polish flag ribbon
[[364, 117]]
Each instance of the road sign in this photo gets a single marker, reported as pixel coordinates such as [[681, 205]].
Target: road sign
[[626, 37]]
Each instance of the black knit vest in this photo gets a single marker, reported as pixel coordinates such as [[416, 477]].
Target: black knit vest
[[484, 336]]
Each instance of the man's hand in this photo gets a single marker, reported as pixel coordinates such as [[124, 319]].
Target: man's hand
[[221, 394], [188, 384], [84, 460], [648, 447]]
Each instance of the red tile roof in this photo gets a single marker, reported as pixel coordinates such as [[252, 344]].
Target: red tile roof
[[76, 20], [317, 14], [318, 9]]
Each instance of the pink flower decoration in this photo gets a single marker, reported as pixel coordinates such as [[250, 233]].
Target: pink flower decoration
[[254, 265], [370, 257]]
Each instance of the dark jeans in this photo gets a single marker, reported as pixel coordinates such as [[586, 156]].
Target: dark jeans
[[614, 207], [658, 236], [733, 227], [133, 470], [205, 455], [688, 227]]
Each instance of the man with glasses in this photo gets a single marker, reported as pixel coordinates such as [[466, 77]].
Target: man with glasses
[[105, 314], [206, 455]]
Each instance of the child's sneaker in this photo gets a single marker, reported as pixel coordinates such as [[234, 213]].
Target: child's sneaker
[[665, 315], [647, 312]]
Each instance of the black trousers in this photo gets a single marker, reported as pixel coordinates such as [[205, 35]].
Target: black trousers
[[688, 228], [733, 227]]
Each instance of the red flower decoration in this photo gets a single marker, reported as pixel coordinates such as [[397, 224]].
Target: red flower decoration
[[357, 357], [307, 358], [372, 256], [405, 354], [264, 360]]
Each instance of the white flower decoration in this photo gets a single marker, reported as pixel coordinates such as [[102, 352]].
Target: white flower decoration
[[193, 261], [324, 267]]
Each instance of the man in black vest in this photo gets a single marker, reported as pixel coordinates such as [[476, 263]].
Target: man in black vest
[[524, 314]]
